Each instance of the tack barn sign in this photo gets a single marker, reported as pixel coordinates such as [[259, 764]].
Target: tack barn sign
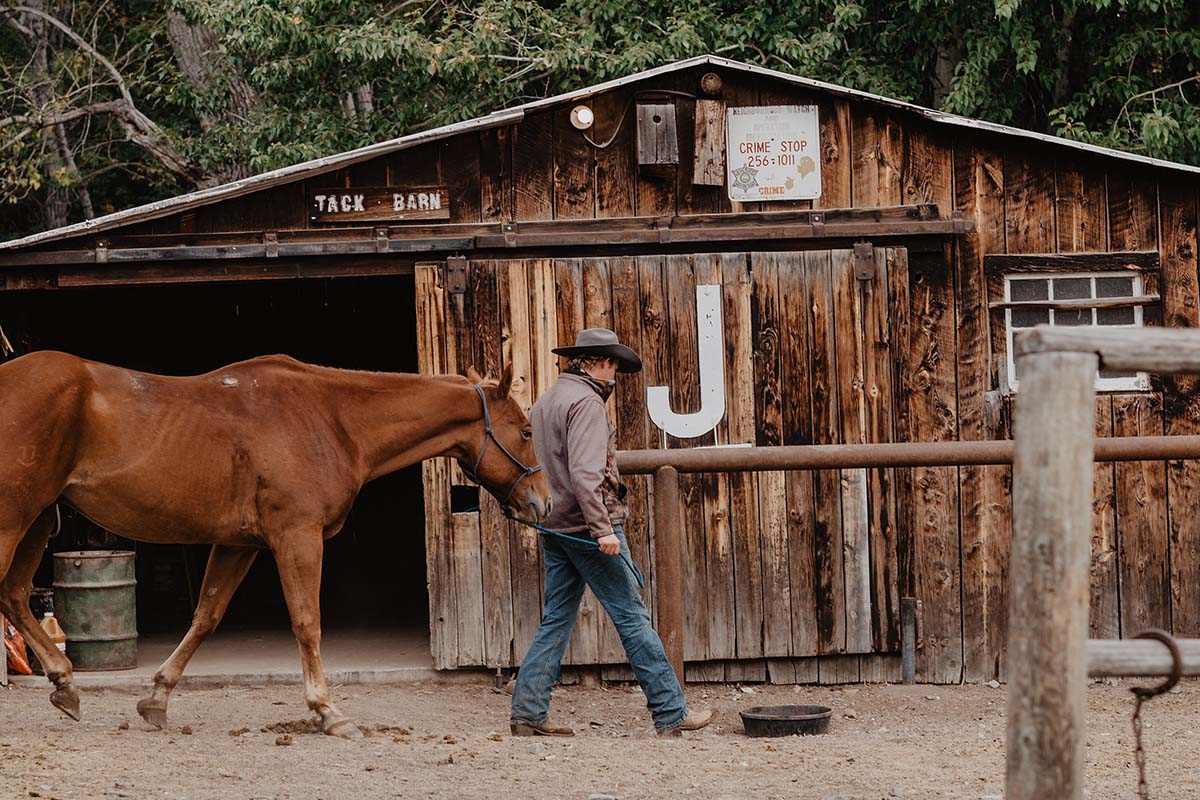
[[378, 203], [772, 153]]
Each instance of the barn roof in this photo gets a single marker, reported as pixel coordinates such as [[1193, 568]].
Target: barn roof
[[266, 180]]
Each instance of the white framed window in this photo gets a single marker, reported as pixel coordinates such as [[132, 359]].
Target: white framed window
[[1098, 299]]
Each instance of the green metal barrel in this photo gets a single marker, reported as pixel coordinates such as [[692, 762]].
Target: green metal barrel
[[94, 601]]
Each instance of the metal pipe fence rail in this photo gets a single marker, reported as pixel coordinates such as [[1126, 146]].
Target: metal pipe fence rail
[[666, 466]]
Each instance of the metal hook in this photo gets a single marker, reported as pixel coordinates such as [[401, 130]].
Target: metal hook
[[1146, 692]]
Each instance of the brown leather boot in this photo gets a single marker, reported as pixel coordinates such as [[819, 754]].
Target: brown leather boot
[[694, 721], [546, 728]]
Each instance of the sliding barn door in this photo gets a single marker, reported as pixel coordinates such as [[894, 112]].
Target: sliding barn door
[[777, 565]]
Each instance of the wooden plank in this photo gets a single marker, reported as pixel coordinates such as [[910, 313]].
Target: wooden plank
[[443, 611], [836, 154], [878, 154], [684, 383], [1105, 613], [616, 178], [928, 390], [1181, 403], [738, 428], [632, 420], [1029, 202], [849, 338], [828, 555], [1081, 207], [1142, 521], [1132, 211], [1136, 261], [899, 306], [793, 671], [468, 585], [880, 668], [533, 178], [751, 671], [838, 670], [500, 536], [495, 174], [771, 486], [879, 426], [524, 543], [459, 167], [705, 672], [708, 162], [985, 505], [718, 524], [480, 343], [574, 170], [655, 358], [797, 429]]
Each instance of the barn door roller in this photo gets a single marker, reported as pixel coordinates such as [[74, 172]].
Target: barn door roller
[[864, 261]]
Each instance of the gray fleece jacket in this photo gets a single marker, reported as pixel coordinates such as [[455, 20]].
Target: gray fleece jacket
[[576, 446]]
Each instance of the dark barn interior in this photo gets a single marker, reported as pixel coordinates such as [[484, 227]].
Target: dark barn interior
[[374, 570]]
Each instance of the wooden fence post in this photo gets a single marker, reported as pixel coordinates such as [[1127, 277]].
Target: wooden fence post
[[1048, 601], [668, 567]]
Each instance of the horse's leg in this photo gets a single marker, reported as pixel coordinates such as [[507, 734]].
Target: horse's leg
[[14, 599], [299, 563], [227, 566]]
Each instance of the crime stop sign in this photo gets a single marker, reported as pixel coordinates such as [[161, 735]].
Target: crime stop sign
[[773, 153]]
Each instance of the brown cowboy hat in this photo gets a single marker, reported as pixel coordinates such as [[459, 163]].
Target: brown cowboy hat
[[602, 342]]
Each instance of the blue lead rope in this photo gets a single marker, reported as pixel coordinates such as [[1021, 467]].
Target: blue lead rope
[[637, 573]]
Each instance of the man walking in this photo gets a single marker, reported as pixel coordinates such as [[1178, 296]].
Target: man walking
[[576, 445]]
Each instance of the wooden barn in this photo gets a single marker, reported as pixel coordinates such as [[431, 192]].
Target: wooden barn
[[797, 263]]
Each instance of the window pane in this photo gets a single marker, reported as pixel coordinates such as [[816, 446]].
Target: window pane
[[1028, 290], [1028, 317], [1114, 316], [1114, 287], [1072, 288], [1075, 316]]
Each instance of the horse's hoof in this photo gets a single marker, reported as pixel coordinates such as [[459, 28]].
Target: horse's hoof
[[153, 713], [343, 729], [66, 699]]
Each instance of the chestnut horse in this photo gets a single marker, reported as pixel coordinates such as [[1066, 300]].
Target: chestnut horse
[[266, 453]]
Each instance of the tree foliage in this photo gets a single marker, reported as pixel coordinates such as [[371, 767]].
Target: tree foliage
[[232, 87]]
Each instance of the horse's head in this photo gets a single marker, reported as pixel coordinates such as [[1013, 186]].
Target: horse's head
[[500, 457]]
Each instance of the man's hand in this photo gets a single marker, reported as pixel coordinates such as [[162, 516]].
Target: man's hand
[[609, 545]]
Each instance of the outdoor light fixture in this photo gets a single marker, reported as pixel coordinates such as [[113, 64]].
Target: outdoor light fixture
[[582, 117]]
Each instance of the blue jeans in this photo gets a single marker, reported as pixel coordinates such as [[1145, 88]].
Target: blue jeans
[[569, 567]]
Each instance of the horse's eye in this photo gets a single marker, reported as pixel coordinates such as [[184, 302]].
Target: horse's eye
[[527, 435]]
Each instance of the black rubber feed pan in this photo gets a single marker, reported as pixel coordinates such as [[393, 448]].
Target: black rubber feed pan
[[786, 720]]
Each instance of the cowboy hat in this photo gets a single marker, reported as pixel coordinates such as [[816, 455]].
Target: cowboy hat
[[602, 342]]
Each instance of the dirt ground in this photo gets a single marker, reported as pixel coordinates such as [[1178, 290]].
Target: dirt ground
[[434, 741]]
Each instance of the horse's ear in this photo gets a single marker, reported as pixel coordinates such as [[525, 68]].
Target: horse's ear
[[505, 381], [473, 376]]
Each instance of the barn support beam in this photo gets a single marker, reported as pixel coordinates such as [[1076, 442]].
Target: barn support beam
[[893, 221]]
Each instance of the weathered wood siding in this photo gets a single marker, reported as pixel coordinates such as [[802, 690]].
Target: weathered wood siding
[[816, 552], [773, 583]]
